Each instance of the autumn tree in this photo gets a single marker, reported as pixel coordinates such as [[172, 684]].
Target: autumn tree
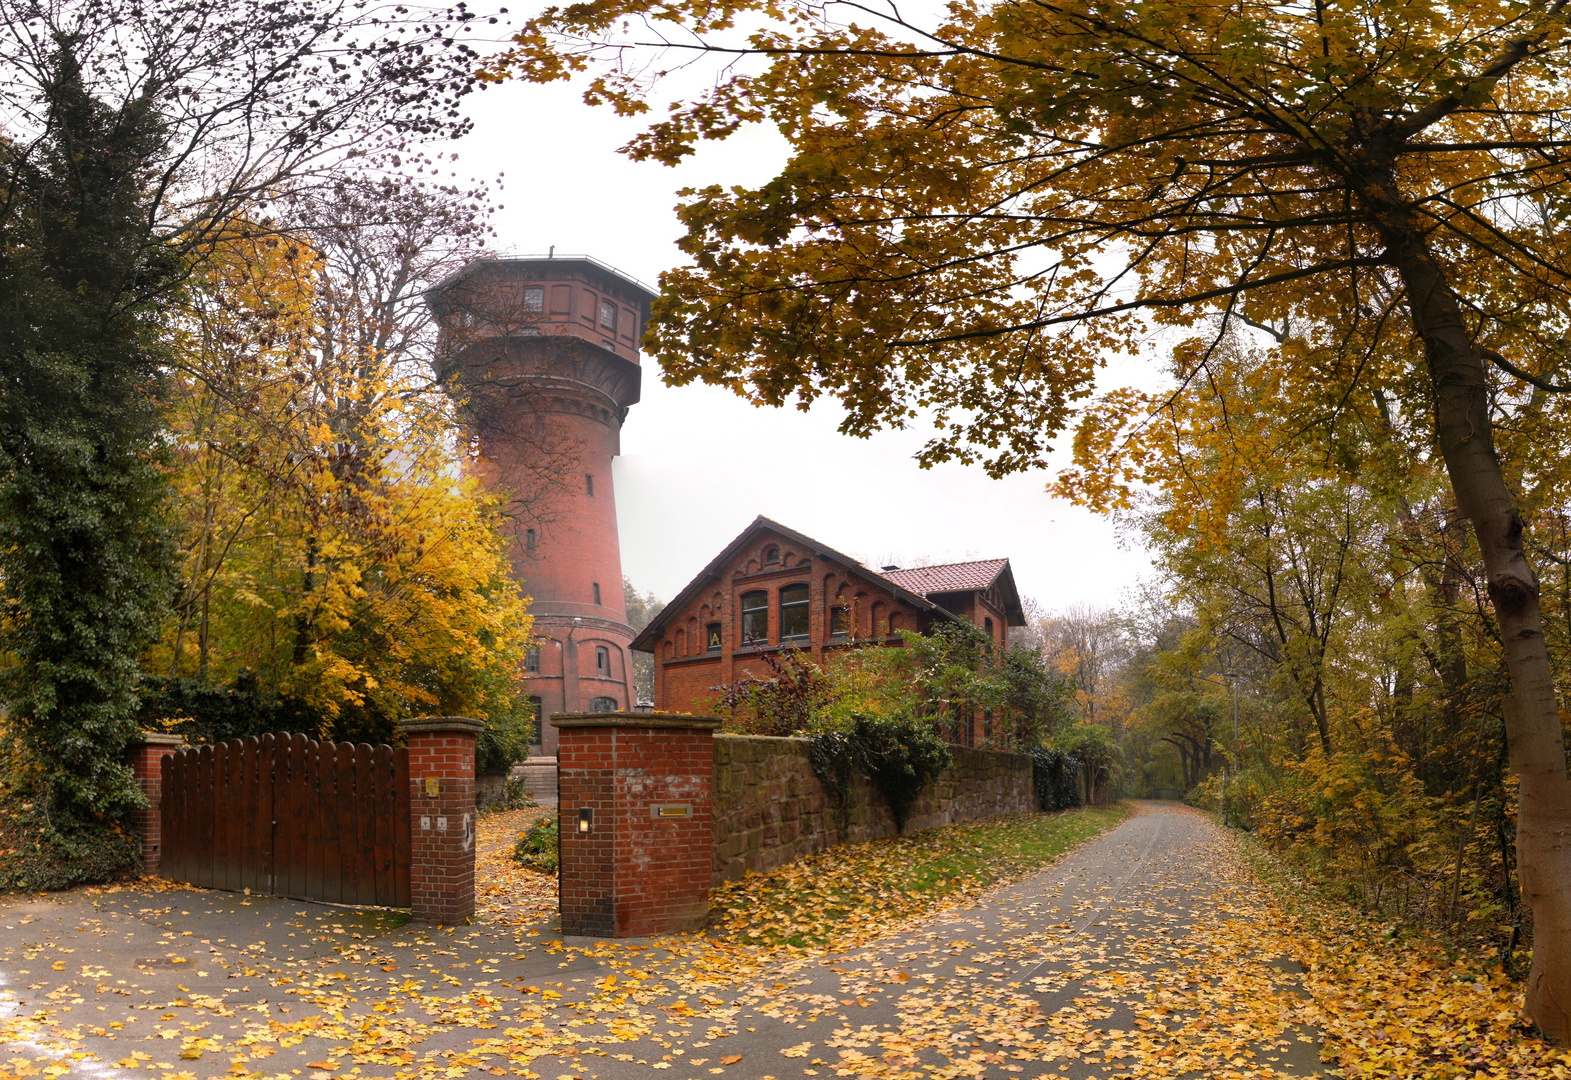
[[976, 214], [136, 136], [332, 546]]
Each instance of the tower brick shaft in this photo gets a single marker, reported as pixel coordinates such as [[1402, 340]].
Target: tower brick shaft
[[543, 355]]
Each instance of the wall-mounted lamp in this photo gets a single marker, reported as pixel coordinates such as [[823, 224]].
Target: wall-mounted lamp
[[586, 819]]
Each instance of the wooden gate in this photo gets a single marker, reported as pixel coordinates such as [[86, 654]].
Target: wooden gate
[[290, 816]]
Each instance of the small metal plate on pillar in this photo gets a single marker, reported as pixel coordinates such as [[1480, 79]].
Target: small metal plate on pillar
[[668, 810]]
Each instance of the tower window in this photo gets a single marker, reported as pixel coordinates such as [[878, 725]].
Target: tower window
[[608, 315], [755, 618], [532, 660], [529, 540], [589, 483], [602, 661], [597, 592], [534, 299], [603, 704], [712, 637], [793, 613]]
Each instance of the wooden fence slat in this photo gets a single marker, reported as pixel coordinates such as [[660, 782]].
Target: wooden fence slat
[[261, 845], [383, 807], [170, 827], [232, 800], [202, 875], [304, 810], [365, 824], [339, 875], [321, 777], [250, 814], [286, 853], [402, 845], [266, 794], [278, 782], [223, 819]]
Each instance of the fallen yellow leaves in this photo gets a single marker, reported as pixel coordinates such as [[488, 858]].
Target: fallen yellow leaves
[[858, 891]]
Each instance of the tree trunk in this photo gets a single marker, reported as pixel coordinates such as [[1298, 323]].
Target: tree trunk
[[1532, 715]]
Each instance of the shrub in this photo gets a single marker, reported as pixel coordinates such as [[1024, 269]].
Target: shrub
[[900, 754], [537, 848]]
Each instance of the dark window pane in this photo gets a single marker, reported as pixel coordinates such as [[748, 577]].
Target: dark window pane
[[793, 612], [840, 621], [755, 618], [712, 637]]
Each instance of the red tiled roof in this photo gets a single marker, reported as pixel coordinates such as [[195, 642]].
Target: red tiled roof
[[951, 577]]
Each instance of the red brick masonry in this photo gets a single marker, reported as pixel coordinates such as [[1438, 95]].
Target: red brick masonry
[[146, 760], [637, 839], [442, 817]]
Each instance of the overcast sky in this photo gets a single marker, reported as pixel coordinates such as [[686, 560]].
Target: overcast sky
[[698, 463]]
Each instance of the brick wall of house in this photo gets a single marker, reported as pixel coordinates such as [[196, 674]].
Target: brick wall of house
[[769, 809], [689, 682]]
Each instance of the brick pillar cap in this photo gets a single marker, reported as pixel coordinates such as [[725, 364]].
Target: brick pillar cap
[[635, 720], [423, 724], [157, 738]]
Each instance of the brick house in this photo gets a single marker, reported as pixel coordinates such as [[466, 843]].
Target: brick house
[[773, 589]]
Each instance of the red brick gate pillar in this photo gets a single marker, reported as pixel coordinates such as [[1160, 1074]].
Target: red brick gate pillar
[[441, 816], [637, 847], [146, 757]]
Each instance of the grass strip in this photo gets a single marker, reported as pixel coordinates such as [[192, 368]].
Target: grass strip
[[856, 891]]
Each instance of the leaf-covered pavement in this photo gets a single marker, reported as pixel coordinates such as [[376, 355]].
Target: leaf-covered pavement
[[1151, 952]]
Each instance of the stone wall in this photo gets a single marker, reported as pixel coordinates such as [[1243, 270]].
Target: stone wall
[[769, 808]]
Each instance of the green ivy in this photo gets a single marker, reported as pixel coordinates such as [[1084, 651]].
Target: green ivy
[[899, 753], [1055, 776], [84, 552]]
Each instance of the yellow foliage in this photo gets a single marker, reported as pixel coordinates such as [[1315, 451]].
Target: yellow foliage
[[332, 543]]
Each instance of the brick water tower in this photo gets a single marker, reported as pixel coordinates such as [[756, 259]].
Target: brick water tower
[[542, 353]]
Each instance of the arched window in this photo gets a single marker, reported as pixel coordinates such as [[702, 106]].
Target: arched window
[[602, 661], [987, 626], [597, 592], [531, 659], [529, 540], [712, 637], [771, 556], [589, 483], [793, 613], [603, 704], [755, 618], [839, 620]]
